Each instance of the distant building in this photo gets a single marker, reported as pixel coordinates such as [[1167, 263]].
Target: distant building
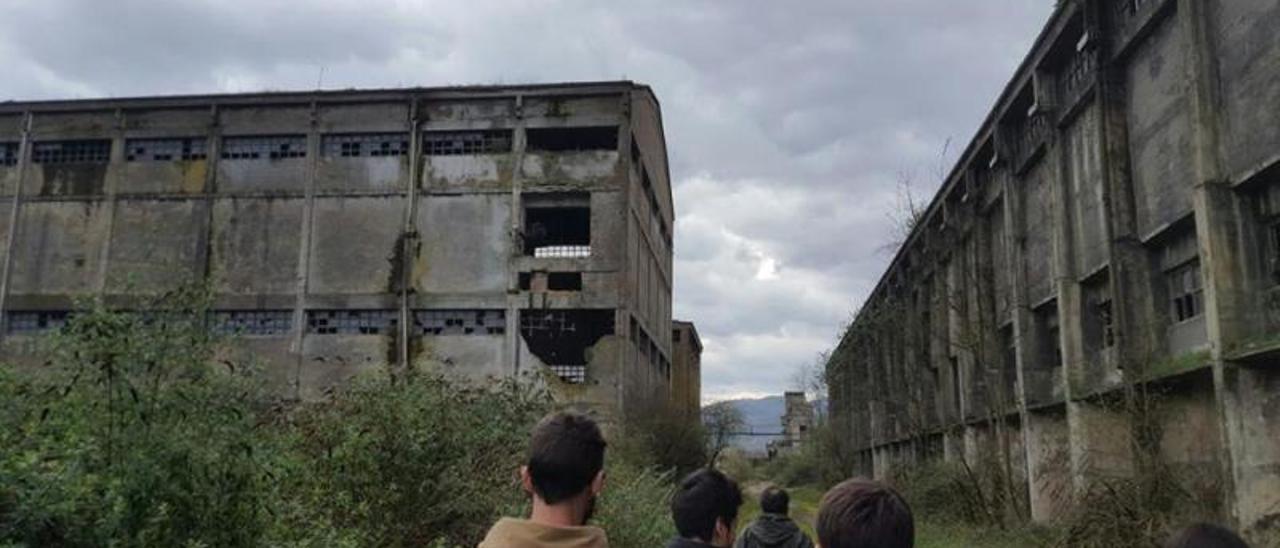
[[797, 422], [1115, 222], [491, 230], [686, 369]]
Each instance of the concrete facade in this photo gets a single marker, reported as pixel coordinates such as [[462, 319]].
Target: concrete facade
[[1114, 223], [686, 370], [491, 231]]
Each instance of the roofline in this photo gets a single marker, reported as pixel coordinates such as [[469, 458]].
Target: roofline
[[692, 329], [327, 96], [1061, 13]]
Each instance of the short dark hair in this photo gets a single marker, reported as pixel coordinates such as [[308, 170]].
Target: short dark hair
[[701, 498], [566, 453], [1206, 535], [861, 513], [774, 500]]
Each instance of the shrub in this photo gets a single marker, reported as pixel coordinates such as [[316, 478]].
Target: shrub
[[635, 508]]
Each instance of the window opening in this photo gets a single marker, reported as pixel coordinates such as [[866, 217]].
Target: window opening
[[562, 339], [72, 152], [558, 225], [373, 145], [455, 143], [253, 322], [165, 150], [564, 281], [352, 322], [28, 322], [566, 139], [257, 148], [525, 281], [460, 322], [1185, 292], [9, 154], [1050, 343]]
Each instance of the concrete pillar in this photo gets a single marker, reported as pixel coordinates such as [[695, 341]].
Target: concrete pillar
[[1048, 452]]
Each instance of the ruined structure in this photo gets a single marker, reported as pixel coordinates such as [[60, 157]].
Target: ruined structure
[[491, 230], [797, 422], [686, 370], [1115, 223]]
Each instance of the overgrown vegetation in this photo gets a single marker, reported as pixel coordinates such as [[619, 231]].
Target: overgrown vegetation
[[141, 431]]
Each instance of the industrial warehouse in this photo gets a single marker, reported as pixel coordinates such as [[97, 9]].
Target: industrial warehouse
[[1096, 287], [490, 231]]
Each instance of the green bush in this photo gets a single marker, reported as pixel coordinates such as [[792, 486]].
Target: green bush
[[635, 506]]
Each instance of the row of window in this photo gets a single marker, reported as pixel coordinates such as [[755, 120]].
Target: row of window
[[355, 145], [649, 350], [319, 322]]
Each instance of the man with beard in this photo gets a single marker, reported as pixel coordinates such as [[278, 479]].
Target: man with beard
[[564, 474], [773, 529]]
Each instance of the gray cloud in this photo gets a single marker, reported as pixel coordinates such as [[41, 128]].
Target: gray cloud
[[788, 124]]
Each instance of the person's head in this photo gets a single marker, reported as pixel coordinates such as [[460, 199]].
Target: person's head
[[705, 507], [1204, 535], [566, 461], [861, 513], [774, 500]]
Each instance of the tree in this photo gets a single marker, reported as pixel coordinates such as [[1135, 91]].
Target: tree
[[721, 420]]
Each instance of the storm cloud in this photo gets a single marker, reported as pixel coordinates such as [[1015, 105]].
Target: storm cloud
[[789, 124]]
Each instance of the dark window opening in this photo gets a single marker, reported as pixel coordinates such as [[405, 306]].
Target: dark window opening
[[252, 322], [1049, 343], [1106, 318], [72, 152], [455, 143], [1185, 292], [9, 154], [564, 281], [460, 322], [23, 322], [558, 226], [564, 139], [374, 145], [166, 150], [257, 148], [352, 322], [563, 338], [526, 281]]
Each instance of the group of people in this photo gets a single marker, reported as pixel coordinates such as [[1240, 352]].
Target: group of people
[[564, 475]]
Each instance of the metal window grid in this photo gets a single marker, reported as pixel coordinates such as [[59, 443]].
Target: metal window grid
[[9, 154], [253, 322], [352, 322], [365, 144], [562, 252], [453, 143], [572, 374], [256, 148], [166, 150], [460, 322], [30, 322], [71, 152]]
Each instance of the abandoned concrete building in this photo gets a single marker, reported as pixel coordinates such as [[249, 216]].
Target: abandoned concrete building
[[797, 423], [1115, 223], [493, 230], [686, 370]]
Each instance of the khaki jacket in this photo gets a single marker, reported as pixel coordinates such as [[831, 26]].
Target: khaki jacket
[[522, 533]]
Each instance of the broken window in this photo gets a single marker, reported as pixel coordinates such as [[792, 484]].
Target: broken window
[[72, 152], [352, 322], [454, 143], [562, 338], [269, 147], [525, 281], [1049, 342], [1185, 292], [9, 154], [374, 145], [564, 281], [557, 225], [564, 139], [30, 322], [253, 322], [165, 150], [460, 322], [1099, 316]]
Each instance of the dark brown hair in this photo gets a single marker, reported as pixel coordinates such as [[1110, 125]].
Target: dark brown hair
[[861, 513], [1205, 535], [565, 454], [702, 498], [774, 500]]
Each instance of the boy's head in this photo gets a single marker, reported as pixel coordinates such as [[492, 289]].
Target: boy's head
[[705, 507], [566, 458], [774, 500], [864, 514]]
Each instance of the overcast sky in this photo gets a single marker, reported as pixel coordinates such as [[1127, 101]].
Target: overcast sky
[[788, 123]]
